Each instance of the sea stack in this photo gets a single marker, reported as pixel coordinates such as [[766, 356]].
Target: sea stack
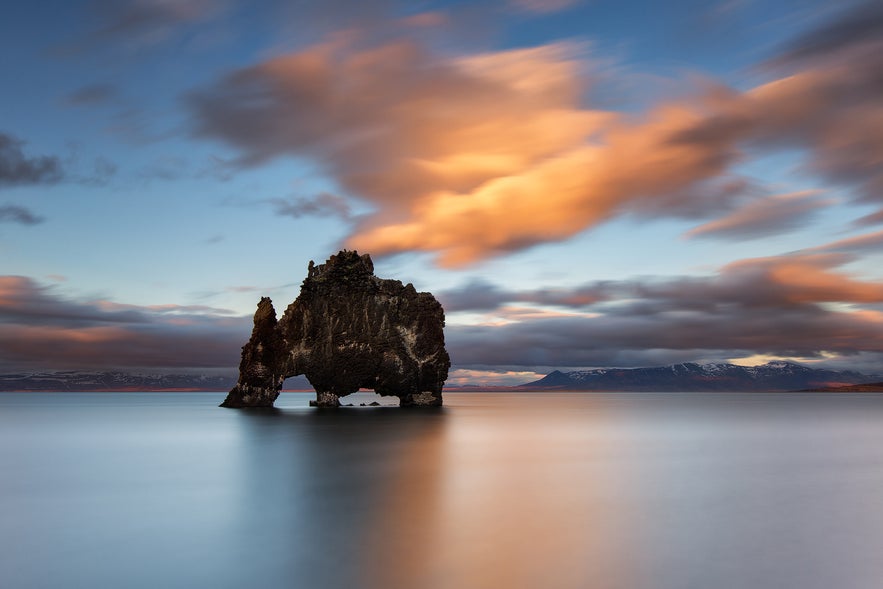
[[347, 330]]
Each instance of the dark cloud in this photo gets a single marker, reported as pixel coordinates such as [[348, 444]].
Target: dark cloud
[[642, 340], [39, 328], [777, 306], [860, 24], [129, 27], [480, 295], [858, 243], [871, 219], [477, 295], [24, 300], [17, 168], [831, 109], [149, 24], [321, 205], [91, 95], [760, 218], [122, 348], [798, 305], [802, 278], [20, 215], [150, 21]]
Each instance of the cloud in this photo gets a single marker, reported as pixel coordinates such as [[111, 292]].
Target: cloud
[[424, 20], [769, 216], [41, 329], [543, 6], [833, 112], [474, 156], [796, 305], [91, 95], [804, 277], [480, 295], [682, 335], [803, 304], [875, 218], [467, 156], [617, 340], [150, 21], [321, 205], [827, 101], [861, 24], [24, 300], [866, 242], [16, 168], [20, 215]]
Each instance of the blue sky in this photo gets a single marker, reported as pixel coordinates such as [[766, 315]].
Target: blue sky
[[581, 183]]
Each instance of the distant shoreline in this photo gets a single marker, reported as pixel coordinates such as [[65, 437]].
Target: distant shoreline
[[873, 387]]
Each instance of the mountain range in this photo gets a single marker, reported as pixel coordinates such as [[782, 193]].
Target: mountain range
[[124, 382], [773, 376]]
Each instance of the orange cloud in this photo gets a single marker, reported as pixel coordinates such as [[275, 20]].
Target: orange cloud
[[470, 157], [630, 167], [805, 278]]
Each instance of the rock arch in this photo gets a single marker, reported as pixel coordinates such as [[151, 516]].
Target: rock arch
[[347, 330]]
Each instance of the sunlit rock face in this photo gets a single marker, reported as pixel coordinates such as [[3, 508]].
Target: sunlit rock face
[[347, 330]]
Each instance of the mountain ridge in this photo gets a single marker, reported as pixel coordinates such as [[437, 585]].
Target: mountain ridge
[[690, 376], [107, 381], [686, 377]]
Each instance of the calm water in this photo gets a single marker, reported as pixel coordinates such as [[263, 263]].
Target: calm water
[[576, 490]]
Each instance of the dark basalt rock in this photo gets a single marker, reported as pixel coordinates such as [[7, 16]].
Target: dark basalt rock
[[347, 330]]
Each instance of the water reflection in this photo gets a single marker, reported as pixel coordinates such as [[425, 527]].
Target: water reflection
[[524, 501], [385, 498], [588, 491], [316, 488], [558, 491]]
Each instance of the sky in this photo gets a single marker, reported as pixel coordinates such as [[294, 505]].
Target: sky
[[581, 183]]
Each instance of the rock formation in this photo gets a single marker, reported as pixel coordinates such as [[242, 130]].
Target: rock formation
[[347, 330]]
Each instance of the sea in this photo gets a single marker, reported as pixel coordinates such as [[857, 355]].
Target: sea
[[502, 491]]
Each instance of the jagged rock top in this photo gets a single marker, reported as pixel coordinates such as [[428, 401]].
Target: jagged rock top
[[348, 264]]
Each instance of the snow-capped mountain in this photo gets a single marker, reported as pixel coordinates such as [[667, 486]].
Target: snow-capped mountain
[[773, 376]]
